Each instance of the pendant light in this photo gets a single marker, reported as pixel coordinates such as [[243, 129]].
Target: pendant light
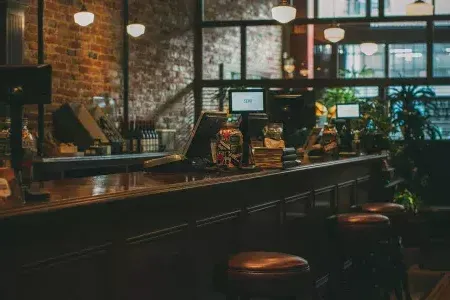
[[135, 29], [419, 8], [284, 12], [369, 48], [334, 33], [84, 17]]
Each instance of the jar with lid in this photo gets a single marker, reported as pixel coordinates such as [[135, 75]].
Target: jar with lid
[[229, 144]]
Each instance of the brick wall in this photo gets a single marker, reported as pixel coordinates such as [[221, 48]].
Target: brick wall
[[87, 60]]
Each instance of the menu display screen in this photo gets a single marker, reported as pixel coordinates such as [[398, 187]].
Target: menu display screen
[[347, 111], [247, 101]]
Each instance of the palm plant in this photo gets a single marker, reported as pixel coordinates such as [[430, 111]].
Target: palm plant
[[410, 108], [410, 113]]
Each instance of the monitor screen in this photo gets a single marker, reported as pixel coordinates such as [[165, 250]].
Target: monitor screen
[[242, 101], [347, 111]]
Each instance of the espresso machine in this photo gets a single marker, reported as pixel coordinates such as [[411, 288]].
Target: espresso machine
[[24, 85]]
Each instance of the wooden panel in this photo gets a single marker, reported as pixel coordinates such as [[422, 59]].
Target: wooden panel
[[216, 238], [80, 276], [261, 228], [157, 265]]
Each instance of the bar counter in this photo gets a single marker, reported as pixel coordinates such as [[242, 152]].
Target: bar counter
[[140, 235]]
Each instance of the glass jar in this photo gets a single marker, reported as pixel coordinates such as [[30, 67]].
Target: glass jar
[[229, 146]]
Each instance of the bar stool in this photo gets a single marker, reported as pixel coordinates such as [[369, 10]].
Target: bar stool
[[269, 275], [362, 237], [397, 215]]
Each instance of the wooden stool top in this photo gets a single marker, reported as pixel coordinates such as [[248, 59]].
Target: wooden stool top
[[267, 262]]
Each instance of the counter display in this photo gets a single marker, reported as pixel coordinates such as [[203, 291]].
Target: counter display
[[139, 235]]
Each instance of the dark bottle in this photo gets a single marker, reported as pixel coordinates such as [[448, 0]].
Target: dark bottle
[[134, 139], [125, 139], [147, 139], [141, 137]]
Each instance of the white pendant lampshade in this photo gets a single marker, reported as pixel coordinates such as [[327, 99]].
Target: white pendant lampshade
[[334, 34], [83, 17], [419, 8], [135, 29], [369, 48], [284, 12]]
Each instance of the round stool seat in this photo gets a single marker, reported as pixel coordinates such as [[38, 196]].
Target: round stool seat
[[383, 208], [361, 226], [268, 274], [362, 219]]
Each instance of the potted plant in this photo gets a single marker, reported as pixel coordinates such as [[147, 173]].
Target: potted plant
[[410, 114], [410, 201]]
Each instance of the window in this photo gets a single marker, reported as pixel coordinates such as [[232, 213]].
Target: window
[[441, 56], [322, 61], [341, 8], [407, 60], [355, 64], [440, 116]]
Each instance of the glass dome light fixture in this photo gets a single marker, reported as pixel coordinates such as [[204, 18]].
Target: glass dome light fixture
[[368, 48], [419, 8], [334, 33], [284, 12], [84, 17], [135, 29]]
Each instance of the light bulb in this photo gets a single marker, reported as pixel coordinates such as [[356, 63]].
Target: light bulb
[[284, 12], [419, 8], [135, 29], [369, 48], [83, 17], [334, 34]]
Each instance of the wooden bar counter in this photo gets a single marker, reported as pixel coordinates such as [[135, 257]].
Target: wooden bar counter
[[158, 235]]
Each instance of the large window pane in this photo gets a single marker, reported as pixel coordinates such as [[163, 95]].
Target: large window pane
[[264, 47], [441, 55], [341, 8], [407, 60], [355, 64], [442, 7], [222, 53], [322, 61], [398, 7], [238, 10]]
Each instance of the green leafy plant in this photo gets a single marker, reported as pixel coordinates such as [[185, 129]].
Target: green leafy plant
[[411, 106], [338, 95], [410, 109], [409, 200]]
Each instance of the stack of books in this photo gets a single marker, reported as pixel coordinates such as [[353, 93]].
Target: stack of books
[[275, 158]]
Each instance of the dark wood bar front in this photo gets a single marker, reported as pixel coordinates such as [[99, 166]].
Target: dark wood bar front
[[159, 235]]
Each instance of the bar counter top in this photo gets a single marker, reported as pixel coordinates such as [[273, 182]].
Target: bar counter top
[[66, 193]]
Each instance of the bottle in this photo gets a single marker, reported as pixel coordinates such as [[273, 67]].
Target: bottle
[[156, 141], [125, 139], [153, 141], [147, 139], [142, 139], [134, 139]]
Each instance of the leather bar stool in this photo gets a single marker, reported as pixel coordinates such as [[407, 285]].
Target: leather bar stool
[[269, 275], [398, 217], [361, 237]]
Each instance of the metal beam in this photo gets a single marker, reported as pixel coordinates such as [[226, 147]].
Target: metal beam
[[41, 58], [306, 21], [125, 67], [323, 83], [198, 59]]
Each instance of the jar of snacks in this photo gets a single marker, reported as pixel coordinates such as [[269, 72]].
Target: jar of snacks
[[229, 146]]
